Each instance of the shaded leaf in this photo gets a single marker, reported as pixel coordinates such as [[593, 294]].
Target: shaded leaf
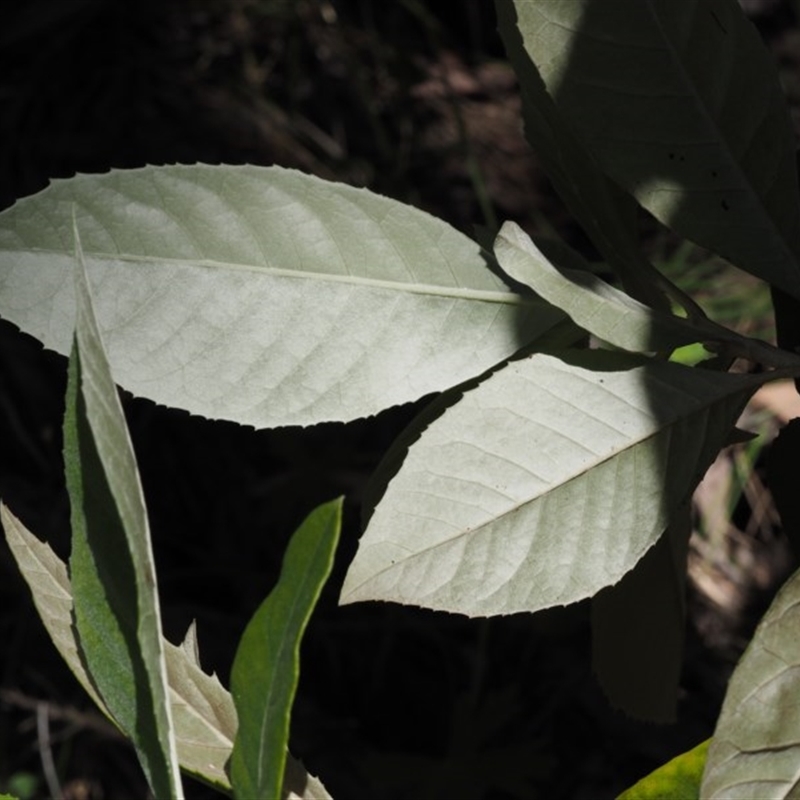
[[520, 496], [678, 778], [679, 103], [111, 565], [755, 751], [598, 206], [267, 664], [202, 709], [638, 628], [259, 294], [783, 459]]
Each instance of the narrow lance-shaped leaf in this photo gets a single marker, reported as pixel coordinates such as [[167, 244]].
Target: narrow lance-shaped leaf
[[544, 484], [259, 294], [111, 565], [755, 751], [202, 709], [267, 663], [680, 105]]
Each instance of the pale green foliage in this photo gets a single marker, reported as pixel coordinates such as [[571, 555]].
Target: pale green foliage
[[755, 751], [590, 302], [519, 496], [544, 474], [261, 295]]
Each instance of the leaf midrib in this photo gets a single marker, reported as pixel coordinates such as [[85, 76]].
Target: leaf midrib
[[432, 290]]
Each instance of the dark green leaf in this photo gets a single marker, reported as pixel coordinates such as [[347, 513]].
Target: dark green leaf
[[267, 663], [638, 628]]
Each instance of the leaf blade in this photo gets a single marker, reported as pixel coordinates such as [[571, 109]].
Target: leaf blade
[[519, 497], [590, 302], [262, 295], [267, 663], [111, 565], [680, 105], [754, 752]]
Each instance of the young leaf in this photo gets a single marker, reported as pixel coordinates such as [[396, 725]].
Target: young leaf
[[267, 663], [262, 295], [111, 565], [755, 751], [202, 710], [678, 778], [679, 104], [544, 484], [638, 628]]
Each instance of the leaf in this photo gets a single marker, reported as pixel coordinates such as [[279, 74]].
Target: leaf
[[202, 710], [679, 104], [755, 751], [612, 315], [638, 628], [259, 294], [589, 301], [678, 778], [782, 460], [267, 664], [592, 199], [544, 484], [111, 566]]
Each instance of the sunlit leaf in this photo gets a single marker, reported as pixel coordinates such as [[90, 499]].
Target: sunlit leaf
[[259, 294], [678, 779], [266, 668], [755, 751], [544, 484]]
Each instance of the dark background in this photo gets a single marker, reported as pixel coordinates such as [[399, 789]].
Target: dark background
[[413, 99]]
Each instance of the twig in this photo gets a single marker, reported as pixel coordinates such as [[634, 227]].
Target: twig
[[46, 752]]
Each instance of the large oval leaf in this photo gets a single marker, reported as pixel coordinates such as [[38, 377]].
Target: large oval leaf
[[544, 484], [679, 103], [755, 751], [261, 295]]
